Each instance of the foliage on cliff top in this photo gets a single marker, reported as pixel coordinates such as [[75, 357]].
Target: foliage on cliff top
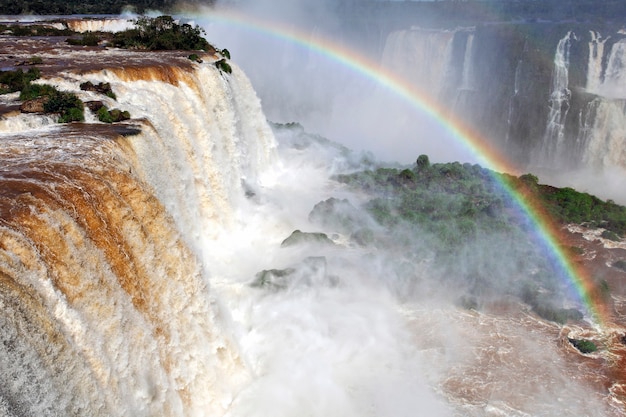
[[162, 33], [440, 194]]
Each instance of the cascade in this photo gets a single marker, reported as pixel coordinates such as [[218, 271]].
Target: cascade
[[200, 153], [614, 82], [104, 291], [99, 25], [467, 80], [596, 54], [559, 102]]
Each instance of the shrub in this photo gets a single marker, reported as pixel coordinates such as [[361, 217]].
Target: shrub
[[17, 80], [102, 88], [68, 105], [111, 116], [195, 58], [584, 346], [32, 91], [88, 39], [222, 65], [422, 162], [607, 234], [104, 115]]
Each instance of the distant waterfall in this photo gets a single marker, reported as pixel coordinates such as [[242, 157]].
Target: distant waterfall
[[467, 79], [420, 56], [559, 101], [614, 83], [594, 66], [603, 121]]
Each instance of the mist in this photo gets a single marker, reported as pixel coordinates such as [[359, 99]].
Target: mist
[[387, 326], [346, 327], [300, 84]]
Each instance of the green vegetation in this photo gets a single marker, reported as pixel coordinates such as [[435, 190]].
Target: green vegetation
[[222, 65], [162, 33], [463, 218], [195, 58], [102, 88], [88, 39], [570, 206], [33, 91], [67, 105], [451, 201], [12, 81], [584, 346], [112, 116]]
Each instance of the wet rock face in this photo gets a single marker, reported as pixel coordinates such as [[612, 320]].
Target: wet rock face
[[35, 105]]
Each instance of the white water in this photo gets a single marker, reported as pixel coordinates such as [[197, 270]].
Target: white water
[[559, 102], [596, 55]]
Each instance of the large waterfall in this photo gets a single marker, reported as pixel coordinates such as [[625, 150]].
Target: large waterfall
[[106, 303], [143, 271]]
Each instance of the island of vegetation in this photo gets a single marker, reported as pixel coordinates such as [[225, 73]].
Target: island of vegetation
[[456, 208]]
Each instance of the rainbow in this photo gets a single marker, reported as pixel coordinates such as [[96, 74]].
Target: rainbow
[[547, 231]]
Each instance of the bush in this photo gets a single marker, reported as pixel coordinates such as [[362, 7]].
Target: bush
[[195, 58], [32, 91], [17, 80], [88, 39], [102, 88], [607, 234], [68, 105], [584, 346], [222, 65], [111, 116], [104, 115]]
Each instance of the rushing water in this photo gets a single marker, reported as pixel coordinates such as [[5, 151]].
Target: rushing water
[[127, 255]]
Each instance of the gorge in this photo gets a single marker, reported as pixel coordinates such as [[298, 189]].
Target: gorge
[[130, 254]]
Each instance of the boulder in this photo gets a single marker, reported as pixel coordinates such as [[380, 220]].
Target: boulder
[[298, 237], [94, 106], [35, 105]]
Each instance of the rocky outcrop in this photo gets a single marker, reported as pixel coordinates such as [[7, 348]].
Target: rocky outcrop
[[298, 237], [35, 105]]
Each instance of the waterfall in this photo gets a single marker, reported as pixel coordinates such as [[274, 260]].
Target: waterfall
[[601, 137], [421, 56], [614, 83], [559, 102], [104, 291], [594, 66], [603, 120], [467, 79], [208, 143]]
